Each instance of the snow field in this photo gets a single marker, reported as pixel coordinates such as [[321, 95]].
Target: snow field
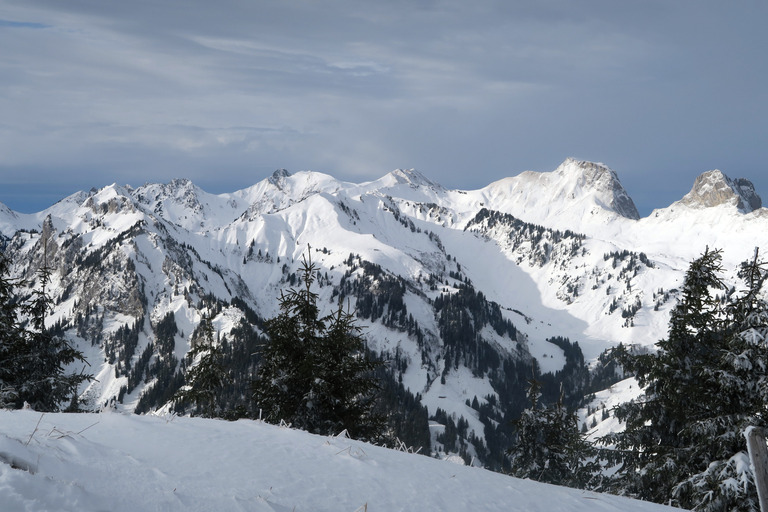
[[110, 461]]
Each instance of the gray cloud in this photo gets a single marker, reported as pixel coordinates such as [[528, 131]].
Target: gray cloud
[[223, 93]]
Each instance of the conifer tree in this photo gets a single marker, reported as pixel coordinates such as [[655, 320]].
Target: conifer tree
[[284, 377], [12, 337], [314, 372], [46, 384], [343, 390], [207, 376], [655, 445], [724, 479], [550, 448], [33, 361], [708, 382]]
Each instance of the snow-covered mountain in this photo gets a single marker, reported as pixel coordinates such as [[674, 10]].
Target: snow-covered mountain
[[574, 194], [465, 293]]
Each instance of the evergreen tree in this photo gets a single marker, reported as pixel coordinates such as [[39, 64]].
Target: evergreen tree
[[314, 372], [343, 390], [284, 376], [33, 360], [550, 448], [45, 381], [208, 376], [708, 382], [654, 445], [725, 480], [12, 337]]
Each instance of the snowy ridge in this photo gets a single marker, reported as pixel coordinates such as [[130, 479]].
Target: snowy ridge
[[8, 220], [284, 189], [121, 463]]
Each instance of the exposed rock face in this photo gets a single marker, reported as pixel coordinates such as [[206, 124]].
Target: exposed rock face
[[713, 188], [748, 194], [278, 177], [605, 182], [413, 178]]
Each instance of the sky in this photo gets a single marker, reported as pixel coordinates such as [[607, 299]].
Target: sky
[[97, 92]]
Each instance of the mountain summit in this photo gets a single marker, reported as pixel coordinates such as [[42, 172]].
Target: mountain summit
[[603, 182], [713, 188], [413, 178], [575, 195]]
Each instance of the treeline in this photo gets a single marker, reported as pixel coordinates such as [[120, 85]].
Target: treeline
[[542, 241]]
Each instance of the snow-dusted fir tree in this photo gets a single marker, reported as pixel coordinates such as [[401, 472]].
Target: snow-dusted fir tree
[[12, 337], [314, 372], [344, 389], [284, 376], [33, 360], [726, 480], [684, 439], [657, 442], [207, 375], [46, 383], [549, 446]]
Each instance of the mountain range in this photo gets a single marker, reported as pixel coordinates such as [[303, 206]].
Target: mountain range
[[466, 294]]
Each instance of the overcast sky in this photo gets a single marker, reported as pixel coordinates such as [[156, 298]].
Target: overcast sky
[[467, 92]]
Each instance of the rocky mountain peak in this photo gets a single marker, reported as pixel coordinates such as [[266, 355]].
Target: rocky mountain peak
[[604, 181], [413, 178], [278, 177], [179, 183], [714, 188]]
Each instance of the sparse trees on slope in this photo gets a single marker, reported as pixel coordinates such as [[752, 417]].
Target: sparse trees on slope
[[314, 372]]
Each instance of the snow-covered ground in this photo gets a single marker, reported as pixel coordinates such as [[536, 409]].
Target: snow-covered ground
[[116, 462]]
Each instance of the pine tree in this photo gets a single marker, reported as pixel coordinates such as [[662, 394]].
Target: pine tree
[[205, 378], [708, 382], [285, 375], [550, 448], [654, 445], [45, 382], [314, 372], [343, 390], [12, 337], [725, 480], [33, 360]]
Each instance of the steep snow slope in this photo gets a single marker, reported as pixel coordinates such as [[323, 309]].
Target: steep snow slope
[[10, 221], [108, 461]]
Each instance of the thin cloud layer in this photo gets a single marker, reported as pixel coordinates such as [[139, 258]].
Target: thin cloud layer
[[223, 93]]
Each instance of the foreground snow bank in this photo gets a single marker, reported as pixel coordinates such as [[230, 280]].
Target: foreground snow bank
[[115, 462]]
